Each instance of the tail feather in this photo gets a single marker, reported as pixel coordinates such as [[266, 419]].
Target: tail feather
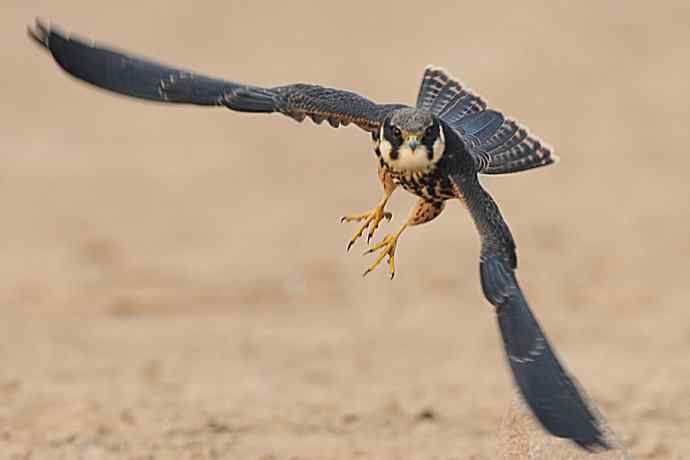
[[506, 145], [446, 97], [480, 128], [514, 149], [507, 135]]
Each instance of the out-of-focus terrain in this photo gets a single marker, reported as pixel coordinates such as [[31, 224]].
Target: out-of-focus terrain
[[174, 281]]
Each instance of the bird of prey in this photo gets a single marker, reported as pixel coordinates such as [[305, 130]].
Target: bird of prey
[[435, 150]]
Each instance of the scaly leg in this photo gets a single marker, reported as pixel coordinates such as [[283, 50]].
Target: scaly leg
[[424, 211], [373, 218]]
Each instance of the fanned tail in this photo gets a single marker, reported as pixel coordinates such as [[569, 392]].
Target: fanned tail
[[505, 146]]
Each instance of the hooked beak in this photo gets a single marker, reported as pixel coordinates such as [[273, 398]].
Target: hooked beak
[[412, 141]]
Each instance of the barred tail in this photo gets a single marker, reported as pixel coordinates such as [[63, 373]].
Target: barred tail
[[445, 97], [513, 149], [504, 145]]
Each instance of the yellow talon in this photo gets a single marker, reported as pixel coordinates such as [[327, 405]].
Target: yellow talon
[[387, 247], [371, 219], [391, 264]]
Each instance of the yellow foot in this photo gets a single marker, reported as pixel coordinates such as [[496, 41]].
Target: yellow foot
[[371, 221], [386, 248]]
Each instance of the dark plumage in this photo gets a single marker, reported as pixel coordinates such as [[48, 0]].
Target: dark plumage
[[434, 150], [551, 393]]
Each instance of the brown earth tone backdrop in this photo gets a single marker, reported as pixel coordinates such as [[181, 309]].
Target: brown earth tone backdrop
[[174, 282]]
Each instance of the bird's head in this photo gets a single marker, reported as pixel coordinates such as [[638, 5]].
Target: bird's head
[[411, 140]]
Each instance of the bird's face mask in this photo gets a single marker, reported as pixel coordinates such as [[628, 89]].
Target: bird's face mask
[[409, 146]]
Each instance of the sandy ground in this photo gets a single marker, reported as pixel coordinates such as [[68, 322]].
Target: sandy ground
[[175, 282]]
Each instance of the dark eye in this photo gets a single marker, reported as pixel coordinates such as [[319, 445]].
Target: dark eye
[[396, 132]]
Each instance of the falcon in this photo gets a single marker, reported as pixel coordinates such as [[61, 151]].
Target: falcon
[[435, 150]]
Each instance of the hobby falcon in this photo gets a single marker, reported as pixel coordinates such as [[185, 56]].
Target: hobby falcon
[[435, 150]]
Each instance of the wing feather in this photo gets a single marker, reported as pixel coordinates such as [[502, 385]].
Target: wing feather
[[337, 106], [553, 395], [128, 75], [145, 79]]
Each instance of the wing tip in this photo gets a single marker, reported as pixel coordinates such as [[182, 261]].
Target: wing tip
[[40, 33], [555, 397], [44, 33], [598, 444]]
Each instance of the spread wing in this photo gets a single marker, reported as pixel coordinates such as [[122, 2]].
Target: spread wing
[[552, 394], [498, 144], [145, 79]]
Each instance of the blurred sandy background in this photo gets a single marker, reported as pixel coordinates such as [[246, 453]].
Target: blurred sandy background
[[174, 282]]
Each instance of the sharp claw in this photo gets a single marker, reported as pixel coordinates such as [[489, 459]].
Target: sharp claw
[[366, 272], [392, 275], [371, 222]]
